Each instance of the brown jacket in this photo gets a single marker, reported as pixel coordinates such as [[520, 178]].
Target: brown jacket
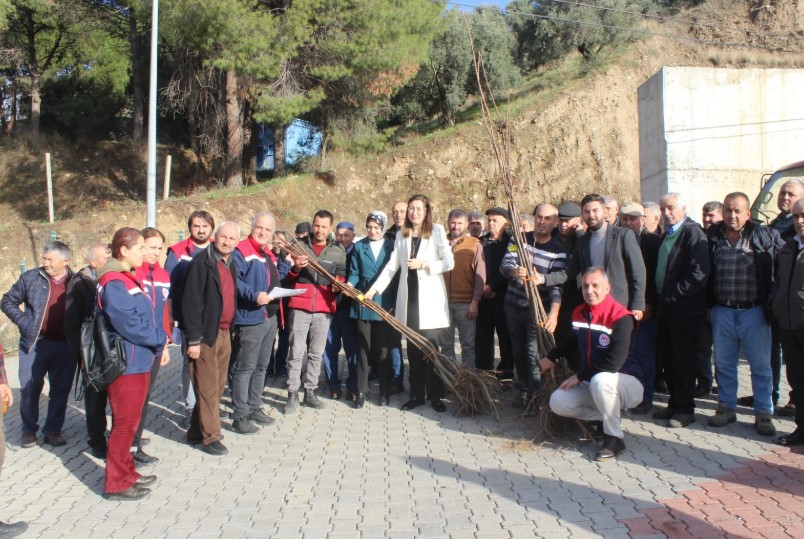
[[466, 280]]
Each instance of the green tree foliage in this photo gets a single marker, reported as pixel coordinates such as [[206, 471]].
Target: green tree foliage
[[345, 57], [547, 31], [447, 77], [42, 38]]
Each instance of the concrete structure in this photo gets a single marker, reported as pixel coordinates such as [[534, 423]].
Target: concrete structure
[[706, 132]]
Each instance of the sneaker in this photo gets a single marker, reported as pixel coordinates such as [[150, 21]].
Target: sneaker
[[261, 417], [28, 439], [764, 424], [311, 400], [723, 416], [612, 446], [679, 421], [244, 426], [292, 406]]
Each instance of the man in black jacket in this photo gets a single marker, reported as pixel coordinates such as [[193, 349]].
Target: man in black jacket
[[208, 311], [81, 301], [609, 247], [491, 311], [644, 349], [742, 253], [682, 271]]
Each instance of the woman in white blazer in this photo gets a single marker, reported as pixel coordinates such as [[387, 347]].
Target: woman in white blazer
[[421, 255]]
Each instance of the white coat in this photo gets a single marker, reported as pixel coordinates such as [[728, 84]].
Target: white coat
[[436, 251]]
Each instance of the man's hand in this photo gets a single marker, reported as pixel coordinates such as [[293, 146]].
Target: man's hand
[[471, 311], [547, 367], [6, 395], [194, 351], [263, 298], [538, 278], [299, 263], [551, 323], [165, 357], [518, 273], [637, 314], [488, 292], [570, 382]]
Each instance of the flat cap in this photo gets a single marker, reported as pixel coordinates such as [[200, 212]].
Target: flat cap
[[499, 211], [345, 224], [568, 210], [633, 209], [303, 228]]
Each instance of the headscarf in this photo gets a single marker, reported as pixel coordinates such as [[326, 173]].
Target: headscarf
[[379, 217]]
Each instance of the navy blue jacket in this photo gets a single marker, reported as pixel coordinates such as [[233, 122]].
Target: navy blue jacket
[[253, 267], [33, 290], [364, 270], [130, 314], [178, 259]]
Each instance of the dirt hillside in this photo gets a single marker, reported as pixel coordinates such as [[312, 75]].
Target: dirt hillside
[[583, 138]]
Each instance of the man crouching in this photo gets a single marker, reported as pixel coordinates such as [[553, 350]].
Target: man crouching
[[608, 378]]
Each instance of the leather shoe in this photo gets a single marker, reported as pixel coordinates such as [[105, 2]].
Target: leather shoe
[[28, 439], [335, 394], [12, 529], [360, 400], [663, 413], [642, 409], [748, 400], [144, 441], [55, 439], [396, 389], [145, 480], [133, 492], [383, 400], [215, 448], [98, 451], [438, 405], [351, 396], [794, 438], [412, 403], [142, 457]]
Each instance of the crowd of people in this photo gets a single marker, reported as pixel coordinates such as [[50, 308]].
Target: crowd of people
[[640, 299]]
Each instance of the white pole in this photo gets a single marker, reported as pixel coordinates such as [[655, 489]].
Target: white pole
[[168, 162], [49, 187], [150, 219]]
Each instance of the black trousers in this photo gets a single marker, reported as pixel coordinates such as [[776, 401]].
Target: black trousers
[[793, 348], [374, 342], [95, 409], [703, 360], [490, 319], [422, 373], [144, 415], [676, 344]]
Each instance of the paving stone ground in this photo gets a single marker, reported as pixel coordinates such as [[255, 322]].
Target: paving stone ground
[[381, 472]]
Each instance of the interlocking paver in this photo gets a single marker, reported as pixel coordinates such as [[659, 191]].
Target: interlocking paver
[[380, 472]]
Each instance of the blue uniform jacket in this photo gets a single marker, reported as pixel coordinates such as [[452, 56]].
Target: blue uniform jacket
[[130, 314], [252, 278]]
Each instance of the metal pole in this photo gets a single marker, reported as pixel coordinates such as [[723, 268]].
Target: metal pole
[[49, 187], [150, 219]]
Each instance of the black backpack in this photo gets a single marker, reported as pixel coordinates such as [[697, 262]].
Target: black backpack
[[104, 358]]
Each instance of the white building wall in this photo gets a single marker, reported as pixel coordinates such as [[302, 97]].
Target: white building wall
[[706, 132]]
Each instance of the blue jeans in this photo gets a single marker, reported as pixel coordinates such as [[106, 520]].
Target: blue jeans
[[745, 329], [644, 350], [341, 330], [397, 366], [51, 358]]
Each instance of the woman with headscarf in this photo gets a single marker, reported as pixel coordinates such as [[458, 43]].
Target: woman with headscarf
[[374, 336], [129, 314], [422, 254]]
